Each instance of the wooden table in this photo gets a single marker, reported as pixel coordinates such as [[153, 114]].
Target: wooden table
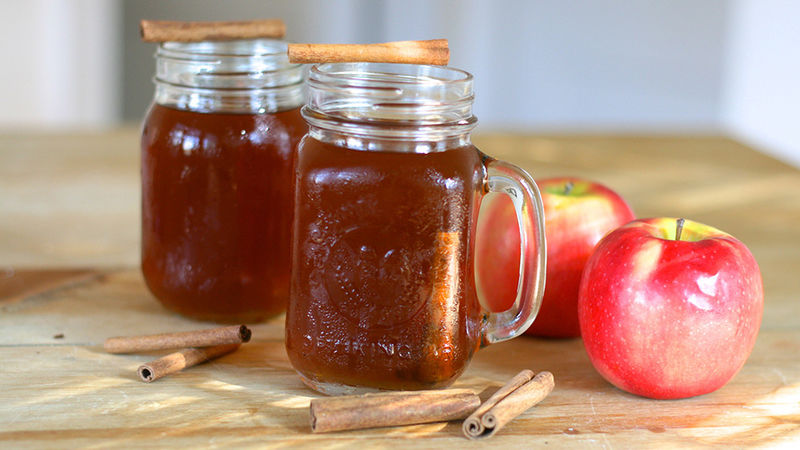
[[69, 227]]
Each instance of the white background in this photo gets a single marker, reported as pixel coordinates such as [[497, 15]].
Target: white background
[[651, 66]]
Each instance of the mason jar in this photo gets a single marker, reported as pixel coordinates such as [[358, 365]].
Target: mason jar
[[218, 149]]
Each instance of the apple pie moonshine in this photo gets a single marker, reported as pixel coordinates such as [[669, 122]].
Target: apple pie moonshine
[[387, 192], [218, 148]]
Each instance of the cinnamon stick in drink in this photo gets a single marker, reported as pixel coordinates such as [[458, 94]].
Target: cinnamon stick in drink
[[201, 338], [391, 409], [172, 31], [175, 362], [507, 408], [439, 347], [434, 52]]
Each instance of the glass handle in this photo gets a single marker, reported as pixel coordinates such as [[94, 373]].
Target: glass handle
[[520, 187]]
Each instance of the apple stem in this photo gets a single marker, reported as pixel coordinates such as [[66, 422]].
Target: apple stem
[[679, 228], [568, 187]]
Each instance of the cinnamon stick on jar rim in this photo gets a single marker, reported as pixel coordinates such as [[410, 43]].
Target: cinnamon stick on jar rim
[[175, 362], [516, 397], [390, 409], [236, 334], [175, 31], [433, 52]]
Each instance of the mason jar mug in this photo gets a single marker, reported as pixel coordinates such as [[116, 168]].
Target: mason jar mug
[[387, 192]]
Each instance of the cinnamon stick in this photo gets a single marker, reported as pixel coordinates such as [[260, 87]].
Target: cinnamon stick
[[504, 408], [175, 362], [473, 425], [172, 31], [439, 348], [390, 409], [434, 52], [201, 338]]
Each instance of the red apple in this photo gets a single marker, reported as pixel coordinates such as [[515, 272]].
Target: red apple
[[666, 313], [577, 214]]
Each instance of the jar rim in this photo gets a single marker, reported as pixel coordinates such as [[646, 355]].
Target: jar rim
[[368, 73], [244, 75], [388, 92], [230, 48], [390, 102]]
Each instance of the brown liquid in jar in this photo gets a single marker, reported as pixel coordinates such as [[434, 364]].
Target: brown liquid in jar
[[378, 299], [216, 211]]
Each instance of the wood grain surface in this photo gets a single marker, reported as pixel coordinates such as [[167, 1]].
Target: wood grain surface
[[69, 227]]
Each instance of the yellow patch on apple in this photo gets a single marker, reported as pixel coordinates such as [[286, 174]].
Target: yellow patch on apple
[[646, 261]]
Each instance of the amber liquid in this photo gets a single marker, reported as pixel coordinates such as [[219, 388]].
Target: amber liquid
[[217, 193], [383, 291]]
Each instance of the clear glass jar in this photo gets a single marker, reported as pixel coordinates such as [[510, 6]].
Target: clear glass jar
[[388, 188], [218, 148]]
